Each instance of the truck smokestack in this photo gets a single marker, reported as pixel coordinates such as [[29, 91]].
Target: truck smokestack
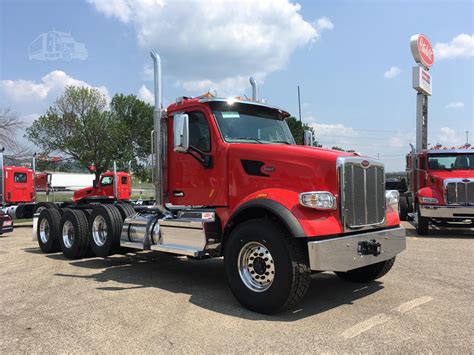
[[158, 137], [254, 84]]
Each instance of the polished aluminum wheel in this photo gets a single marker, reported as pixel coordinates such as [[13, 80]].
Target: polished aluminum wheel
[[40, 208], [256, 267], [44, 231], [99, 231], [68, 234]]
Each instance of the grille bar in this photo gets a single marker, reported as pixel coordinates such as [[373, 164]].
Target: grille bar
[[459, 192], [362, 192]]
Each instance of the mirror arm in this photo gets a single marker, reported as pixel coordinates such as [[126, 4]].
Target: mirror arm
[[203, 158]]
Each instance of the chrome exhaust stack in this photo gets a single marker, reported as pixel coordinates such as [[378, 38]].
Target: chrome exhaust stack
[[254, 84], [159, 128]]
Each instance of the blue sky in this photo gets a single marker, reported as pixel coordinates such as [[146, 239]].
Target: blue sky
[[339, 52]]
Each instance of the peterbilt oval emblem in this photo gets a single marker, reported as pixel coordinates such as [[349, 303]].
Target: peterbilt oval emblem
[[365, 163], [466, 180]]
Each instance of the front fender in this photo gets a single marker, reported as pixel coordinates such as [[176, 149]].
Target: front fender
[[429, 192], [300, 221]]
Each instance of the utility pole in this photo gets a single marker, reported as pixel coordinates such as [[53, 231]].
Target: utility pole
[[467, 137], [299, 102]]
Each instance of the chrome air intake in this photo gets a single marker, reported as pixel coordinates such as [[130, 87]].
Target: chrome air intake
[[361, 193]]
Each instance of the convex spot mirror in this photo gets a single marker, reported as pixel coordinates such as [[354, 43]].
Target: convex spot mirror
[[181, 133]]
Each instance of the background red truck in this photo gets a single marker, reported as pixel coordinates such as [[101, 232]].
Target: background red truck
[[440, 188], [230, 181], [18, 191]]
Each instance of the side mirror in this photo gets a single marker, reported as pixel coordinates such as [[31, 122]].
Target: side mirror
[[181, 133], [308, 138]]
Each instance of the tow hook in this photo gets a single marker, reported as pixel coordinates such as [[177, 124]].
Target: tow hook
[[369, 247]]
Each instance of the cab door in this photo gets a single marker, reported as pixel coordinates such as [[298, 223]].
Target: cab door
[[190, 182]]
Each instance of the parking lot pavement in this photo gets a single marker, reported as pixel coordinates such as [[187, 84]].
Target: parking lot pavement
[[155, 302]]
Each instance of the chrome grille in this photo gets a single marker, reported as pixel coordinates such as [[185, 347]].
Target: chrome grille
[[362, 192], [459, 191]]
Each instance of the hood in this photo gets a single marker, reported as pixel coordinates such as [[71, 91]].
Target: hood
[[292, 167], [453, 174]]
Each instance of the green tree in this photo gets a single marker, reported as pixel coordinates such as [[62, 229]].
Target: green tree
[[297, 129], [79, 126], [134, 122]]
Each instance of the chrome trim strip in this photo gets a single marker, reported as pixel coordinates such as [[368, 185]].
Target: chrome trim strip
[[462, 212], [340, 254]]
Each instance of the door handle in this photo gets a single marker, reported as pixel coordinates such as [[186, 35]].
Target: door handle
[[178, 193]]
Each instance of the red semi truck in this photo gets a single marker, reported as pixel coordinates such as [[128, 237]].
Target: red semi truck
[[231, 182], [440, 188], [18, 191]]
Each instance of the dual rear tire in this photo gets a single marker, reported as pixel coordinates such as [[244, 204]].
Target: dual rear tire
[[76, 232]]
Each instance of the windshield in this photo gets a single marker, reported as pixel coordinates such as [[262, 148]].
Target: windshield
[[451, 161], [251, 124]]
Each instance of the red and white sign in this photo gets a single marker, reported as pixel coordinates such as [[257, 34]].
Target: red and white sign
[[422, 81], [422, 50]]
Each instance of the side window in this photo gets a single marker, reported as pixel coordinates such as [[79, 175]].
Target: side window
[[107, 180], [19, 177], [199, 134], [124, 180]]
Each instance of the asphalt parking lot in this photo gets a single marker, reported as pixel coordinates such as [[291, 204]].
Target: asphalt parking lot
[[155, 302]]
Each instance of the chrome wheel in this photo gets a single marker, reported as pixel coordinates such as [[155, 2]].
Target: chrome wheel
[[44, 230], [40, 208], [68, 234], [99, 231], [256, 267]]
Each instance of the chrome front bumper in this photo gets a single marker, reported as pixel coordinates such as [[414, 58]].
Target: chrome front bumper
[[341, 253], [461, 212]]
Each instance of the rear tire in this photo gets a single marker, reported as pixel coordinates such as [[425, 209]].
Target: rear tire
[[44, 205], [423, 224], [74, 232], [104, 230], [125, 210], [367, 273], [48, 230], [266, 270], [403, 208]]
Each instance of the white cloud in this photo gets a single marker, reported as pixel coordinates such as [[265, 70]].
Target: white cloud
[[401, 140], [323, 23], [392, 73], [146, 95], [460, 46], [449, 137], [455, 105], [217, 42], [26, 92]]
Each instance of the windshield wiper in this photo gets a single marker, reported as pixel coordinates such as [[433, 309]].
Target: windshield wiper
[[249, 138], [284, 142]]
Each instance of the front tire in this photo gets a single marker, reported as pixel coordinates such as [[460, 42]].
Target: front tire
[[422, 224], [267, 271], [367, 273], [403, 208]]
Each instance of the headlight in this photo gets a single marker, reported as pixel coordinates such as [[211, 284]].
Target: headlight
[[392, 197], [428, 200], [320, 200]]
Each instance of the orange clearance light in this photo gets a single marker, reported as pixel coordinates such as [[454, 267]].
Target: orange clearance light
[[261, 195]]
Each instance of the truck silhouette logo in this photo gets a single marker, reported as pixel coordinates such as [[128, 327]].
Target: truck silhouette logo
[[55, 45]]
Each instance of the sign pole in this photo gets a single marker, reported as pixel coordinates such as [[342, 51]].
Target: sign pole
[[421, 121]]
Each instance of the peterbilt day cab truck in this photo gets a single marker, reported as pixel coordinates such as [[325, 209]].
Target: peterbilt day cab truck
[[18, 191], [440, 189], [231, 182]]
